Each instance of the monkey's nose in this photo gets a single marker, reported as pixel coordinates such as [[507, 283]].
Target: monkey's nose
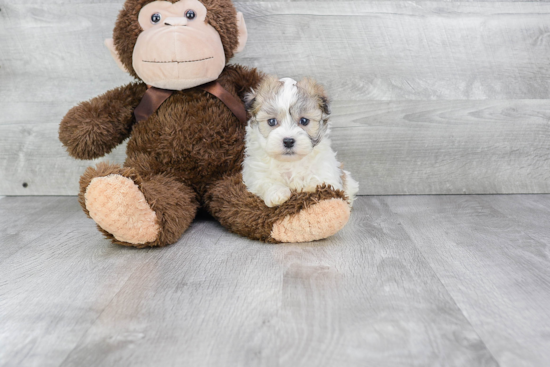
[[179, 21], [288, 142]]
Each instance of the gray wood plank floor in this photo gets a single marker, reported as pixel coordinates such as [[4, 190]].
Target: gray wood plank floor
[[411, 281]]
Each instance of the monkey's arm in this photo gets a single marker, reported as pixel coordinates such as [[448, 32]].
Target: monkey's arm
[[93, 128]]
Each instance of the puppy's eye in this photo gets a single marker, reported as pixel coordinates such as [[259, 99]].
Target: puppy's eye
[[304, 121], [190, 14], [155, 18], [272, 122]]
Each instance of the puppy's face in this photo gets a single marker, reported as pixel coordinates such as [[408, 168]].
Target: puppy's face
[[291, 117]]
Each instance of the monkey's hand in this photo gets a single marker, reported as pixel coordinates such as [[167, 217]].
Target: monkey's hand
[[94, 128]]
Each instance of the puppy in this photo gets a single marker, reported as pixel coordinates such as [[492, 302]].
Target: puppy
[[287, 142]]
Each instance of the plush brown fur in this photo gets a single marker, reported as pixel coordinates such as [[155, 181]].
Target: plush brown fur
[[174, 203], [189, 153], [246, 214], [92, 129]]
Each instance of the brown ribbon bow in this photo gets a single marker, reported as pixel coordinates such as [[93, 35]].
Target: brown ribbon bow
[[155, 97]]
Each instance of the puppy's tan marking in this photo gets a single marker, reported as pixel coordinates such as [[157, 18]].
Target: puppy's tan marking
[[263, 97], [312, 103]]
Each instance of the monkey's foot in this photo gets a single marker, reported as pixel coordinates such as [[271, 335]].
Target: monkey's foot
[[118, 206], [319, 221]]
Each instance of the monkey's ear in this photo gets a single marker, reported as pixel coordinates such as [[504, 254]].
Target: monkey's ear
[[243, 32], [114, 53]]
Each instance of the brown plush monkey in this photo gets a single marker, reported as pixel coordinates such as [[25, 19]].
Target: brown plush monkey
[[188, 152]]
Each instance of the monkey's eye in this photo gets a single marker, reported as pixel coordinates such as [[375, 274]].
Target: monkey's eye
[[190, 14], [272, 122], [304, 121], [155, 18]]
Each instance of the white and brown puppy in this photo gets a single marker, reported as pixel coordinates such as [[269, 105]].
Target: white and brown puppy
[[287, 142]]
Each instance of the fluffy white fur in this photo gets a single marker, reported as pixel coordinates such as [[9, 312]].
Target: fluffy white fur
[[271, 171]]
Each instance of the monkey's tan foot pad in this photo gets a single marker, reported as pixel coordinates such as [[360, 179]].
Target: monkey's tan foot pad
[[319, 221], [119, 207]]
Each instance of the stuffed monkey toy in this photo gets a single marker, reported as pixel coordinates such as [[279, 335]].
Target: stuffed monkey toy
[[185, 121]]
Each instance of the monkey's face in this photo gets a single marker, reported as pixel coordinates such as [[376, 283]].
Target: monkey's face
[[177, 49]]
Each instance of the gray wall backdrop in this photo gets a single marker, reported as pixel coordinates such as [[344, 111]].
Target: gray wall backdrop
[[429, 97]]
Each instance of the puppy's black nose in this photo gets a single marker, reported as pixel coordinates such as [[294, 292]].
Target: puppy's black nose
[[288, 142]]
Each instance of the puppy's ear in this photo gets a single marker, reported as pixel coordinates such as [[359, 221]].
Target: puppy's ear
[[318, 92], [249, 100], [324, 103], [268, 87]]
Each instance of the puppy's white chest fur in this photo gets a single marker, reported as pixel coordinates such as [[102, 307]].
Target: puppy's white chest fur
[[273, 180], [319, 166]]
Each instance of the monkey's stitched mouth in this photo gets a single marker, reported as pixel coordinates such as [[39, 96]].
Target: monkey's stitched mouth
[[177, 62]]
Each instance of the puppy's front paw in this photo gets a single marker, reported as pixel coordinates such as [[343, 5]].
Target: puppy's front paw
[[277, 197]]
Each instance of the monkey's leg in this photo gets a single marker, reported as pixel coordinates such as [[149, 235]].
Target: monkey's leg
[[304, 217], [133, 211]]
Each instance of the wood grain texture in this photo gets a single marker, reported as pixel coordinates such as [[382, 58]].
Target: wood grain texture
[[405, 50], [53, 290], [401, 147], [360, 50], [361, 290], [366, 297], [432, 97], [445, 147], [32, 154], [492, 254], [17, 215]]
